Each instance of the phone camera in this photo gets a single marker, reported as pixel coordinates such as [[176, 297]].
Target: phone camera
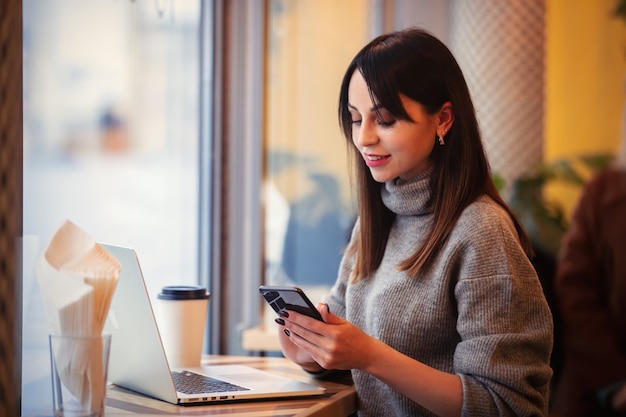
[[278, 305], [270, 295]]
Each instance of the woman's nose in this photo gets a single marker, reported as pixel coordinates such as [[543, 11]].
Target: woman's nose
[[366, 135]]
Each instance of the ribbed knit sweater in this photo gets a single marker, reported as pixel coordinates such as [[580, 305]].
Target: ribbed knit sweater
[[478, 311]]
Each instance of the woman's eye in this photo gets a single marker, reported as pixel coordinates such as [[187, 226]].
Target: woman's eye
[[356, 122], [386, 123]]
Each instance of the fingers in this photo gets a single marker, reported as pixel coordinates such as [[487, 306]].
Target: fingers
[[327, 316], [318, 339], [295, 325], [302, 320], [314, 331], [321, 306], [310, 342]]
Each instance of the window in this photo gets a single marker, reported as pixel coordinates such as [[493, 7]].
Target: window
[[307, 200], [309, 210], [283, 65], [111, 140]]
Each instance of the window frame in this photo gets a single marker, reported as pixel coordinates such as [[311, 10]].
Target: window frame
[[235, 264], [11, 147]]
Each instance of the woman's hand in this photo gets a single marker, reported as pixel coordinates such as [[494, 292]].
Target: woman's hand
[[332, 344], [292, 351], [338, 344]]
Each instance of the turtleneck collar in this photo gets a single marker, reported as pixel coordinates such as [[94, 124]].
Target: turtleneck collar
[[408, 197]]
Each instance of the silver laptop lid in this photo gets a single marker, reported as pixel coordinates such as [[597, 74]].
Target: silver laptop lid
[[137, 359]]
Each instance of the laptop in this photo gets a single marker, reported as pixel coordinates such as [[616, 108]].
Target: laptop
[[138, 362]]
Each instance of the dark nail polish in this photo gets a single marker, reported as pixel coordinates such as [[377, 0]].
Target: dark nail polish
[[280, 321], [287, 332], [283, 313]]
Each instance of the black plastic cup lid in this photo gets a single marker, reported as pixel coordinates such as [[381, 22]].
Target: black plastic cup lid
[[183, 292]]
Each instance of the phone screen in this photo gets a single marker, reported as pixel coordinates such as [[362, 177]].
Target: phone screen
[[289, 298]]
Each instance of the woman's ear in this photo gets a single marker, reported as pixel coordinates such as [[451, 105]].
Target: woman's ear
[[446, 118]]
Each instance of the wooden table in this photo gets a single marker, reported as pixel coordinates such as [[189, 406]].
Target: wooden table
[[339, 400]]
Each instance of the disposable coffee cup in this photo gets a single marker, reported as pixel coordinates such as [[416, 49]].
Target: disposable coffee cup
[[181, 316]]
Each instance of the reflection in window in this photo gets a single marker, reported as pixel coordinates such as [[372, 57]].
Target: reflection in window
[[110, 140]]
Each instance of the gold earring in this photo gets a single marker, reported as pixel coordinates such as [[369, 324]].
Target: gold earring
[[440, 137]]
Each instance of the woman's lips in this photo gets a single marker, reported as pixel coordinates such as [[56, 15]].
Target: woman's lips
[[374, 161]]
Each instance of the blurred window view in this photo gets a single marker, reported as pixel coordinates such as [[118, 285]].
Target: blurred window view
[[309, 210], [110, 140]]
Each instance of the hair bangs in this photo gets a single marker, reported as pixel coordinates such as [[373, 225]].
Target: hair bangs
[[381, 80]]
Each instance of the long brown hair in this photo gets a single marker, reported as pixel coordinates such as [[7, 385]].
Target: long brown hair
[[414, 63]]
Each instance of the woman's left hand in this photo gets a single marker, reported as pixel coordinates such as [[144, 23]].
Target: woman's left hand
[[334, 344]]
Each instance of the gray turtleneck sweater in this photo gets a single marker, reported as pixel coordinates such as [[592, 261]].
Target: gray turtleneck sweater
[[478, 311]]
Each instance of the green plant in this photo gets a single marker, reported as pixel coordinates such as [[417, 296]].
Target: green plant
[[545, 220]]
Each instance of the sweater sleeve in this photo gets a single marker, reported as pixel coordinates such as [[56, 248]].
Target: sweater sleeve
[[504, 321]]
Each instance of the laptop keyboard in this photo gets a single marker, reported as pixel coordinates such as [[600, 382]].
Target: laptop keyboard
[[192, 383]]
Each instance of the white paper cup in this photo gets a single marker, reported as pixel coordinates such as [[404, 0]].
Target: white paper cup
[[181, 313]]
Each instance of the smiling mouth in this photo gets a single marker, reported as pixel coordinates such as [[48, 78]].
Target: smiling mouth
[[376, 161]]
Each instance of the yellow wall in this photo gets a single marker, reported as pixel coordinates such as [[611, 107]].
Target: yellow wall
[[585, 82]]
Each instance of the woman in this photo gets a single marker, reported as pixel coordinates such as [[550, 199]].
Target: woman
[[437, 309], [590, 289]]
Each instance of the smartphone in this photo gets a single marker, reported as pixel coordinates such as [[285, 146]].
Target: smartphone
[[289, 298]]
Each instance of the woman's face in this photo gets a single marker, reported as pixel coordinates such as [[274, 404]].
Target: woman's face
[[391, 147]]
